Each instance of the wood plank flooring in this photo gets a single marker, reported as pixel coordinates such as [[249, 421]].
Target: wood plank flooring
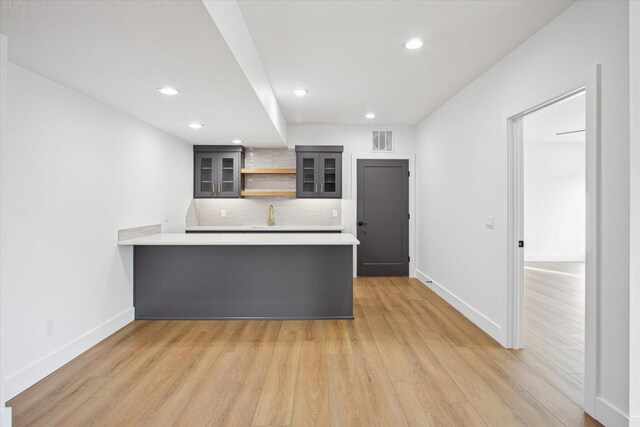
[[408, 358], [554, 324]]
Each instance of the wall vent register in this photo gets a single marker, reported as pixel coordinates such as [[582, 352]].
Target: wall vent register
[[382, 141]]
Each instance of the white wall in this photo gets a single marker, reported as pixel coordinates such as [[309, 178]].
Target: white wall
[[462, 176], [73, 172], [634, 256], [5, 413], [356, 141], [554, 200]]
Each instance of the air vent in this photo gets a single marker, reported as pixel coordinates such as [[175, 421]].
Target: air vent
[[382, 141]]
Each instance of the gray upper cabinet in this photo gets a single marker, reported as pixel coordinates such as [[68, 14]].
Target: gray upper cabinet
[[319, 171], [217, 171]]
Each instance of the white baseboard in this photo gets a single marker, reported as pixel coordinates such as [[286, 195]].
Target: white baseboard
[[611, 416], [5, 417], [554, 257], [483, 322], [17, 382]]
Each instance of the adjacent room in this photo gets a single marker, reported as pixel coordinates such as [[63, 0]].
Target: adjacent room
[[554, 236], [319, 213]]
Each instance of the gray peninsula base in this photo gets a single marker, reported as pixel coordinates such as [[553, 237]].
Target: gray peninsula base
[[243, 282]]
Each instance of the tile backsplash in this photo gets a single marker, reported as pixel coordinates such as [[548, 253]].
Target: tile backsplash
[[254, 211], [273, 159], [270, 159]]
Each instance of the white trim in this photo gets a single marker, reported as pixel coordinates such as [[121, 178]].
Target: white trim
[[412, 202], [589, 82], [555, 257], [18, 382], [5, 417], [611, 416], [4, 46], [483, 322]]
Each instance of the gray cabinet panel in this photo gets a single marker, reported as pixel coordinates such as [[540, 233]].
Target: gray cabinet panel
[[243, 282], [319, 172], [217, 172], [330, 175], [205, 175], [307, 182], [229, 178]]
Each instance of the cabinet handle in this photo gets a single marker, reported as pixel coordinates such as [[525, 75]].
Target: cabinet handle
[[322, 188], [219, 188], [316, 188]]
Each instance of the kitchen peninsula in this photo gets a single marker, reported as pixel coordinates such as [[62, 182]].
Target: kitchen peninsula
[[243, 275]]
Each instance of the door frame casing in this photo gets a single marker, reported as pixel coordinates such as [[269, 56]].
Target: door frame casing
[[589, 82], [412, 208]]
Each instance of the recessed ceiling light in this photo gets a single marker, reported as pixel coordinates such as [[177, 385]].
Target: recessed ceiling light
[[301, 92], [370, 116], [167, 90], [237, 141], [196, 125], [413, 44]]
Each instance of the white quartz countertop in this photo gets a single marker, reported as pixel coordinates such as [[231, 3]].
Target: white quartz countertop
[[243, 239], [273, 229]]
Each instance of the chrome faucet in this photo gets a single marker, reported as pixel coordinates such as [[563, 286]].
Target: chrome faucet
[[270, 221]]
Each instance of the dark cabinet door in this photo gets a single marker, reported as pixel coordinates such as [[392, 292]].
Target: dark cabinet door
[[329, 175], [205, 175], [307, 181], [228, 176]]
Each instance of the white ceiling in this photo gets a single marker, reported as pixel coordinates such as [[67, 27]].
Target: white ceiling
[[119, 52], [349, 54], [564, 116]]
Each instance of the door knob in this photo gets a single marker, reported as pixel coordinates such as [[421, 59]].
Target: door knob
[[360, 223]]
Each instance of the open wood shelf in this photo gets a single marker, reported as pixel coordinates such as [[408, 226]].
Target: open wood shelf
[[266, 171], [268, 193]]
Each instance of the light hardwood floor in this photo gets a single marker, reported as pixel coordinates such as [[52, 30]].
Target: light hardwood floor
[[408, 358], [554, 323]]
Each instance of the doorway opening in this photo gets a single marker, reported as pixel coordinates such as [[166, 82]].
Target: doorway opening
[[554, 249], [585, 84]]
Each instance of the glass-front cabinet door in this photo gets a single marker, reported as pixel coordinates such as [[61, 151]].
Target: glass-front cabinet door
[[205, 177], [228, 182], [330, 175], [307, 175]]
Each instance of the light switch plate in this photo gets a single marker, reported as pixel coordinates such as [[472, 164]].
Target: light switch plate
[[50, 327], [335, 212], [488, 222]]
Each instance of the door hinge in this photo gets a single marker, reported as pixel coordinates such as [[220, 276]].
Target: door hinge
[[409, 259], [409, 216], [409, 173], [521, 243]]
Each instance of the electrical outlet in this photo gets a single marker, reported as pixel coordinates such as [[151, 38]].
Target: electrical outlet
[[335, 212], [49, 327], [223, 212]]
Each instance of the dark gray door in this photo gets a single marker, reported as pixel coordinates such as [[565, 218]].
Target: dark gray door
[[383, 217]]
